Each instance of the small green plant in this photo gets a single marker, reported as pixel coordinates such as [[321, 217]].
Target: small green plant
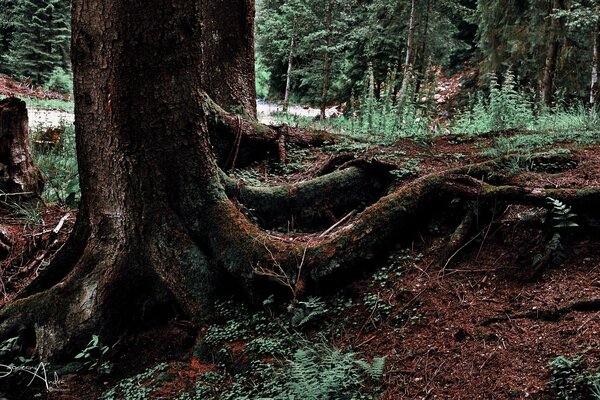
[[321, 372], [58, 164], [8, 345], [570, 380], [136, 387], [93, 356], [308, 312], [504, 108], [29, 212], [561, 215], [559, 218], [60, 81]]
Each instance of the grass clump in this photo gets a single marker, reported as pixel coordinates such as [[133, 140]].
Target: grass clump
[[57, 161], [50, 104]]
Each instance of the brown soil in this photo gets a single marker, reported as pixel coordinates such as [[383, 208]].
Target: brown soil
[[446, 348], [10, 87]]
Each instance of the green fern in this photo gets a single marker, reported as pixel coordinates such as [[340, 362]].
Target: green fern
[[374, 369], [561, 214]]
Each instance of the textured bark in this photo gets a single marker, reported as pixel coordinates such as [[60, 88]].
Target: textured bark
[[238, 142], [18, 174], [408, 61], [548, 83], [595, 64], [313, 204], [325, 75], [228, 54], [288, 77], [156, 226]]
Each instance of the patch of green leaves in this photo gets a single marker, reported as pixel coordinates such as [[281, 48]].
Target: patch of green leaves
[[58, 164], [571, 380], [137, 387], [93, 356]]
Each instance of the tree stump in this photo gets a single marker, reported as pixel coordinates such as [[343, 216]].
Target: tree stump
[[18, 174]]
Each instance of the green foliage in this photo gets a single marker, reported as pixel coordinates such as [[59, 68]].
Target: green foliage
[[262, 78], [28, 211], [313, 372], [308, 312], [37, 40], [8, 346], [561, 214], [382, 113], [133, 388], [560, 217], [351, 35], [60, 81], [570, 380], [321, 372], [50, 104], [282, 362], [505, 108], [93, 356], [58, 164]]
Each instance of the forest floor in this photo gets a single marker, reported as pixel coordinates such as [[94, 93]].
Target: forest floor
[[430, 317], [470, 326]]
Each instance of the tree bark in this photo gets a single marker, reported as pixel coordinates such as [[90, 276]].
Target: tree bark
[[228, 54], [595, 64], [155, 225], [548, 83], [18, 174], [408, 61], [288, 78], [325, 76], [421, 69]]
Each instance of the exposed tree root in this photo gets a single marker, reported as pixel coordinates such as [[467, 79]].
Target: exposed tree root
[[238, 142], [315, 203], [459, 237], [111, 286], [586, 305]]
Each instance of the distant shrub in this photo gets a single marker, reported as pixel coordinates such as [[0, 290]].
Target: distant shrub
[[60, 81]]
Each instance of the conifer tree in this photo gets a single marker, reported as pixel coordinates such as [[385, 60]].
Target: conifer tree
[[40, 39]]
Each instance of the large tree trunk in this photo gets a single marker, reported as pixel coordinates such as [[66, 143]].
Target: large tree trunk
[[548, 83], [228, 54], [155, 225]]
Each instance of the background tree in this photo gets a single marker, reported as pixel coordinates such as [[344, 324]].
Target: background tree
[[229, 54], [36, 37]]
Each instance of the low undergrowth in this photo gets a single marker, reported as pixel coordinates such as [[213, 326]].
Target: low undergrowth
[[571, 379], [309, 350]]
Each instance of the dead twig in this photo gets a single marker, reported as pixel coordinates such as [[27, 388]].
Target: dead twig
[[341, 221]]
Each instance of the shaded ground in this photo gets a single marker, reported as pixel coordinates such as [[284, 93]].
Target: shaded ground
[[427, 313]]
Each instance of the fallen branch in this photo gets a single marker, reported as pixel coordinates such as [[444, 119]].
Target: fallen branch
[[587, 305]]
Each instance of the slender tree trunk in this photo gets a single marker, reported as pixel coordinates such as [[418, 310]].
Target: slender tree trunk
[[228, 50], [288, 80], [326, 60], [595, 65], [548, 83], [422, 51], [408, 61]]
